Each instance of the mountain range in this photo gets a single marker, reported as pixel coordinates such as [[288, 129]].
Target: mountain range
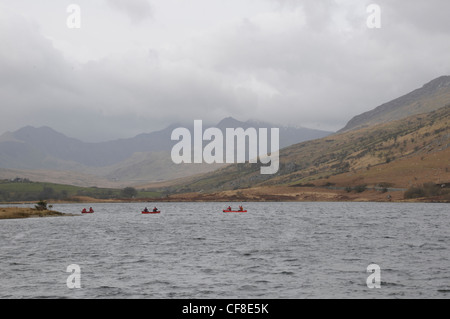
[[46, 154], [400, 144], [400, 154]]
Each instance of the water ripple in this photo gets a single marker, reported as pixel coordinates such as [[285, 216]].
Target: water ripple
[[306, 250]]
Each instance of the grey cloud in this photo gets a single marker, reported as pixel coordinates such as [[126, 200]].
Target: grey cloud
[[318, 69], [104, 99], [136, 10], [270, 67], [419, 16]]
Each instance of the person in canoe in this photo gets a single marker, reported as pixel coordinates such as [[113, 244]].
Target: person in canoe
[[229, 208], [155, 210], [91, 210], [84, 211], [241, 209], [146, 210]]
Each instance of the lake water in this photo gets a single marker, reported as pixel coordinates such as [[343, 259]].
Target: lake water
[[194, 250]]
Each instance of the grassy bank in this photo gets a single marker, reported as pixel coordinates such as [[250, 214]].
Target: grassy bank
[[21, 191], [18, 212]]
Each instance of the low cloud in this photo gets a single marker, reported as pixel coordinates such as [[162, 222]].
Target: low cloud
[[300, 63], [136, 10]]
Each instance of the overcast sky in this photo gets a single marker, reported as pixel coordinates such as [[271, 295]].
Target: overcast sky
[[137, 66]]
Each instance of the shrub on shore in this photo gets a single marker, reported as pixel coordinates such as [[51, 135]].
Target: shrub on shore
[[358, 189], [426, 190], [41, 205]]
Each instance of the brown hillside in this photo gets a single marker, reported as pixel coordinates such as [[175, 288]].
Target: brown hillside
[[396, 154]]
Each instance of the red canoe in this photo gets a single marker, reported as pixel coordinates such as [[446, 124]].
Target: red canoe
[[234, 211], [152, 212], [87, 212]]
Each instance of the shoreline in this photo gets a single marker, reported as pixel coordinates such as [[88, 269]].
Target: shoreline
[[299, 194], [200, 199], [23, 212]]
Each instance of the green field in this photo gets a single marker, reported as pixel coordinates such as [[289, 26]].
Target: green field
[[18, 191]]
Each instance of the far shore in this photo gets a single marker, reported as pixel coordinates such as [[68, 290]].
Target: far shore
[[265, 194], [23, 212]]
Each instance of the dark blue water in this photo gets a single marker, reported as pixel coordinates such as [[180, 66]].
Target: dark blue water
[[194, 250]]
